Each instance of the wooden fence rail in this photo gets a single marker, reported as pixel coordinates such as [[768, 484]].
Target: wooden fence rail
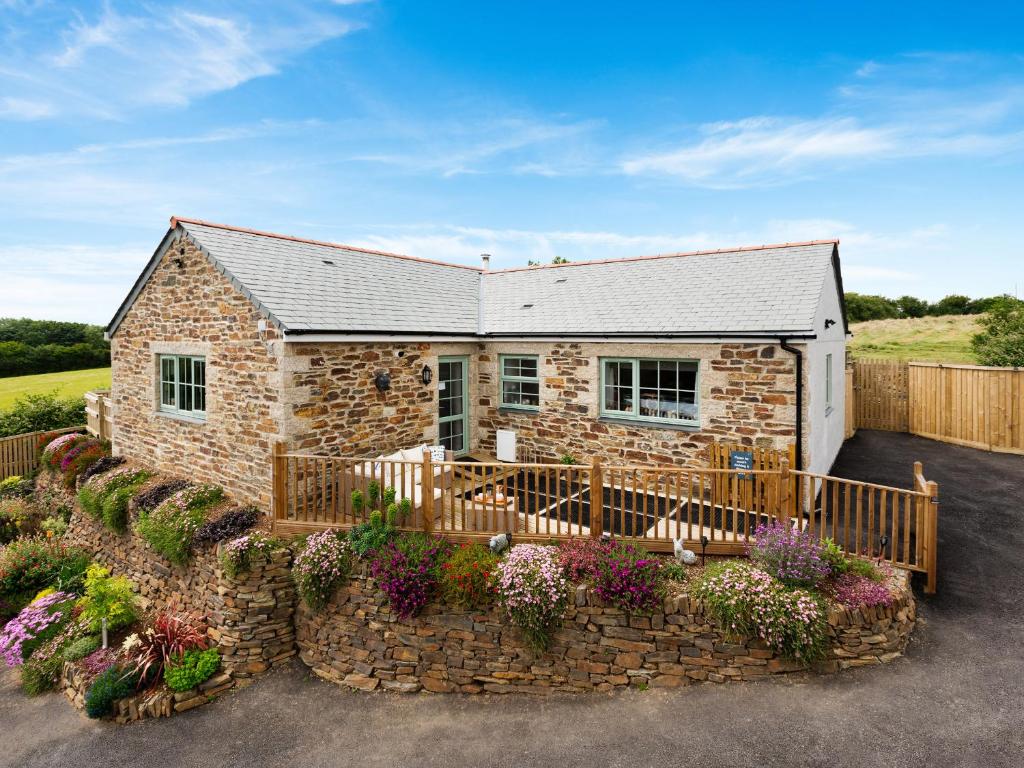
[[18, 452], [468, 500], [969, 405]]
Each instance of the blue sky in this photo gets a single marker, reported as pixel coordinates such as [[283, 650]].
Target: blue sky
[[525, 130]]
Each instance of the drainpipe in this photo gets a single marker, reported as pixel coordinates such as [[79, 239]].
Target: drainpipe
[[799, 400]]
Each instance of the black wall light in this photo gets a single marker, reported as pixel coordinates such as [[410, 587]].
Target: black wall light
[[383, 381], [426, 374]]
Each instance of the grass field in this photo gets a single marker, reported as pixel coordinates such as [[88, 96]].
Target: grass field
[[941, 339], [67, 383]]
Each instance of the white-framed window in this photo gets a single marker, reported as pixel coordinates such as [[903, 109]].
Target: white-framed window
[[828, 382], [655, 390], [520, 381], [182, 385]]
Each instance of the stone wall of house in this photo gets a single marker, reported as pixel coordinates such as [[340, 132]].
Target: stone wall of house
[[332, 405], [188, 307], [358, 642], [746, 395]]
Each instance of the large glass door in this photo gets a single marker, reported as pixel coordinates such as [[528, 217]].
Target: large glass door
[[453, 403]]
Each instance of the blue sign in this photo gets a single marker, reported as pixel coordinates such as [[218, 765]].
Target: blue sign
[[742, 460]]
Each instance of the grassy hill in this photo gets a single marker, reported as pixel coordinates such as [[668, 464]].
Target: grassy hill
[[68, 384], [942, 339]]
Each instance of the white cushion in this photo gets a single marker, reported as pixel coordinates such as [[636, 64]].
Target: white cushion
[[413, 454]]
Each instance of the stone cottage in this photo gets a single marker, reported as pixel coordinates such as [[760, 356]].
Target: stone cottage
[[232, 339]]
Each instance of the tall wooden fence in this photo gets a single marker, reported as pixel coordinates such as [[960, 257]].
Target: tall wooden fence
[[881, 395], [707, 507], [18, 452], [969, 405]]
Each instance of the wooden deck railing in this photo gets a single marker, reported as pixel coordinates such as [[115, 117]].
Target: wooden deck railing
[[467, 500], [18, 452]]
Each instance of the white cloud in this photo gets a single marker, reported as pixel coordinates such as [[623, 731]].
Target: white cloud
[[119, 61], [24, 109], [917, 106]]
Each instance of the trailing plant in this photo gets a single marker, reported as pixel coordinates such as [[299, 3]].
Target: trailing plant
[[36, 624], [853, 590], [170, 527], [629, 579], [79, 458], [190, 669], [94, 492], [58, 447], [466, 577], [107, 597], [748, 602], [99, 661], [31, 564], [42, 669], [408, 569], [104, 464], [116, 682], [323, 564], [534, 592], [82, 647], [581, 557], [171, 634], [238, 555], [366, 538], [791, 556], [232, 523], [152, 497]]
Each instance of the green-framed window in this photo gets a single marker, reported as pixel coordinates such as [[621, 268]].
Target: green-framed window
[[520, 381], [655, 390], [182, 385], [828, 382]]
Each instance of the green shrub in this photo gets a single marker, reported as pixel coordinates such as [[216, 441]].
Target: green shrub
[[833, 557], [673, 571], [370, 536], [82, 647], [22, 514], [31, 564], [15, 486], [107, 597], [110, 685], [170, 527], [865, 568], [187, 671], [90, 500], [37, 413], [54, 526], [114, 509]]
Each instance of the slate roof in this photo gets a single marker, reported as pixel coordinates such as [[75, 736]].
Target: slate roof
[[307, 286]]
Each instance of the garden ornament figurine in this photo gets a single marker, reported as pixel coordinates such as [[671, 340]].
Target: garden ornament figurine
[[683, 555], [500, 543]]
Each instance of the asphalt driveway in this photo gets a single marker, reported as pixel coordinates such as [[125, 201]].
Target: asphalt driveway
[[956, 699]]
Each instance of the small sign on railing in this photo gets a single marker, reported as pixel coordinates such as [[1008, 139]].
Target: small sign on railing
[[741, 460]]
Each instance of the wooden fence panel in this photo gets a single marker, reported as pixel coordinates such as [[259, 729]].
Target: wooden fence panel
[[99, 414], [881, 392], [18, 452], [968, 405]]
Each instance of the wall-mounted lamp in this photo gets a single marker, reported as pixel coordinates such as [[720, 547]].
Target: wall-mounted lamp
[[829, 322], [426, 374], [382, 381]]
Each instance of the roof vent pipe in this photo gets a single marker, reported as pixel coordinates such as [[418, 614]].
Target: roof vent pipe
[[486, 259]]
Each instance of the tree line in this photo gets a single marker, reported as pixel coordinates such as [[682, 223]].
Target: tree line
[[46, 346], [862, 306]]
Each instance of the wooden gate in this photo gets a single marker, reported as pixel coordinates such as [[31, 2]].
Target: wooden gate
[[881, 394]]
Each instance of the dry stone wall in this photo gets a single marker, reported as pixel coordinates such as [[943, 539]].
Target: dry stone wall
[[358, 642]]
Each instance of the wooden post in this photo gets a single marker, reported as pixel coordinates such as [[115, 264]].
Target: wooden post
[[932, 489], [279, 482], [784, 491], [596, 502], [427, 491]]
